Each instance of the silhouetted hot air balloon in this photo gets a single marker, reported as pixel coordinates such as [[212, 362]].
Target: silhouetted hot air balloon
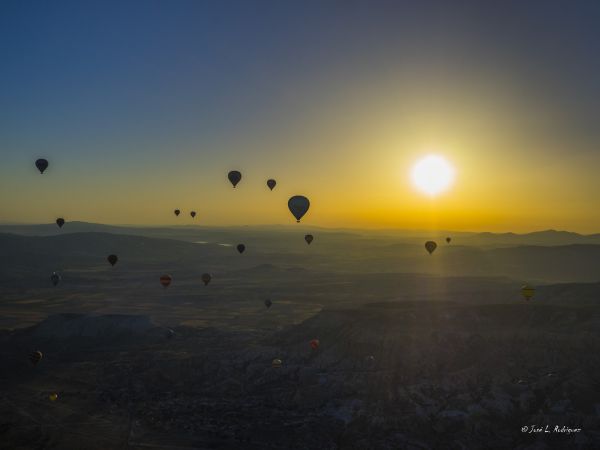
[[177, 212], [206, 278], [271, 183], [35, 357], [528, 292], [298, 205], [53, 397], [193, 214], [277, 363], [55, 278], [234, 177], [241, 248], [430, 246], [314, 344], [112, 259], [308, 238], [60, 222], [165, 280], [268, 303], [448, 239], [41, 164]]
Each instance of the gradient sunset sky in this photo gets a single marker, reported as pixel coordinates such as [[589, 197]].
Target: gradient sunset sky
[[143, 107]]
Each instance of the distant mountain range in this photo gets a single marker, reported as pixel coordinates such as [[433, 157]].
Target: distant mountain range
[[272, 250], [268, 232]]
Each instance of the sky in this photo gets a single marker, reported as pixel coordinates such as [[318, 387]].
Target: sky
[[142, 107]]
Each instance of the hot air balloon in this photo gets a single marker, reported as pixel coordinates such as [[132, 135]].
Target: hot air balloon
[[241, 248], [170, 333], [448, 239], [308, 238], [53, 397], [206, 278], [271, 183], [298, 205], [177, 212], [314, 344], [165, 280], [234, 177], [55, 278], [112, 259], [60, 222], [268, 303], [41, 164], [193, 214], [35, 357], [430, 246], [277, 363], [528, 292]]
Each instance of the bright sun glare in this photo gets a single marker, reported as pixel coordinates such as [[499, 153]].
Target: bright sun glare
[[432, 175]]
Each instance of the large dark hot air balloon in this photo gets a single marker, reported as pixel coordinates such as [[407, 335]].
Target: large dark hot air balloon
[[241, 248], [55, 278], [234, 177], [430, 246], [448, 239], [314, 344], [193, 214], [177, 212], [112, 259], [271, 183], [35, 357], [165, 280], [60, 222], [268, 303], [41, 164], [298, 206], [308, 238], [206, 278]]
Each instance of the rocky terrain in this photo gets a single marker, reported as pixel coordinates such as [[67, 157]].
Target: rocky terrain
[[385, 376]]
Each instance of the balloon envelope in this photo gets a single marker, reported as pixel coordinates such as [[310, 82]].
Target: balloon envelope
[[60, 222], [165, 280], [55, 278], [35, 357], [271, 183], [41, 164], [177, 212], [112, 259], [241, 248], [277, 363], [308, 238], [298, 206], [206, 278], [528, 292], [448, 239], [314, 344], [234, 177], [268, 303], [53, 397], [193, 214], [430, 246]]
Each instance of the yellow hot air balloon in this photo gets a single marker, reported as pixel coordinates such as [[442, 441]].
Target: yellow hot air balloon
[[528, 292], [53, 397], [277, 363]]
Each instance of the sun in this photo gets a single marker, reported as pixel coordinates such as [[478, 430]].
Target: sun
[[432, 175]]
